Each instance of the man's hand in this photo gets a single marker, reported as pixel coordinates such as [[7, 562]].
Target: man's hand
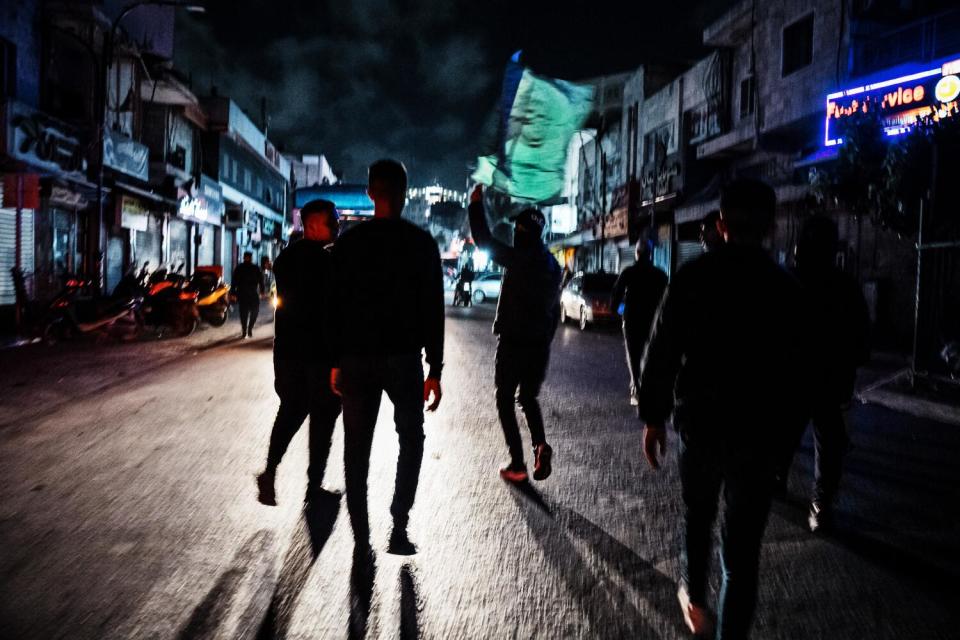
[[432, 385], [654, 443], [335, 382], [477, 194]]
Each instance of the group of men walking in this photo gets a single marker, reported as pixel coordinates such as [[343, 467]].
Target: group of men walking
[[741, 355]]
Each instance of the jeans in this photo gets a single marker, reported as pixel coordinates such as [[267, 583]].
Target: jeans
[[634, 341], [363, 380], [745, 475], [519, 373], [304, 390], [249, 310], [830, 444]]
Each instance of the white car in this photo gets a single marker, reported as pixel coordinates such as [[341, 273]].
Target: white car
[[486, 287]]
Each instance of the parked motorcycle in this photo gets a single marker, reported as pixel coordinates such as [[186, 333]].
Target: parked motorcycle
[[213, 301], [168, 303], [73, 313]]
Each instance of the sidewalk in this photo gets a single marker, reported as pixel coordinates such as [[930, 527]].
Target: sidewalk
[[885, 381], [38, 379]]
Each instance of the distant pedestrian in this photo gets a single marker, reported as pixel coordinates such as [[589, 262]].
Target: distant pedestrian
[[639, 289], [528, 312], [726, 358], [839, 326], [389, 308], [710, 236], [248, 287], [301, 348]]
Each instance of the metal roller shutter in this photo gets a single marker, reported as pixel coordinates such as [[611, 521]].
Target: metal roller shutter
[[8, 252]]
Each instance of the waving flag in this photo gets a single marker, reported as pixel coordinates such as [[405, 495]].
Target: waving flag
[[538, 116]]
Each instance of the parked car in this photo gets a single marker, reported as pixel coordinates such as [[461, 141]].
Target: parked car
[[586, 299], [486, 287]]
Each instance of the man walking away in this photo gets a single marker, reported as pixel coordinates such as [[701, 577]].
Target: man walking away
[[527, 315], [247, 287], [301, 357], [639, 289], [726, 357], [839, 323], [389, 308], [710, 238]]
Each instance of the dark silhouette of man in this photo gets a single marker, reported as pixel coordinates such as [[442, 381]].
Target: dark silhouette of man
[[248, 286], [301, 354], [726, 357], [528, 312], [839, 324], [389, 308], [710, 237], [639, 288]]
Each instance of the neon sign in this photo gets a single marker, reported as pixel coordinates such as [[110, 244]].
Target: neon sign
[[901, 102]]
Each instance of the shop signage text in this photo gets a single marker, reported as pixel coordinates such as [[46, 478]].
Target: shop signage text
[[133, 215], [39, 140], [126, 155]]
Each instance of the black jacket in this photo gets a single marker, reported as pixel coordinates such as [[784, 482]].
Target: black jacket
[[640, 288], [529, 305], [729, 343], [247, 282], [388, 292], [304, 274]]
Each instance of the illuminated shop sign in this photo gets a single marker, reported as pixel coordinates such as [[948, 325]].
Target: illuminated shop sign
[[901, 102], [350, 199]]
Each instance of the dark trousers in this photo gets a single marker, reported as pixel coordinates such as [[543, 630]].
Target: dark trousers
[[519, 373], [634, 342], [249, 310], [363, 381], [708, 465], [304, 390], [830, 444]]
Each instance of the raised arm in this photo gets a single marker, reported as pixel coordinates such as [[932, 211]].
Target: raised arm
[[501, 253]]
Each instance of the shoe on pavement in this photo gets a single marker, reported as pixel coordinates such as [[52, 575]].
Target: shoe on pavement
[[400, 544], [698, 618], [266, 494], [316, 496], [249, 333], [820, 517], [514, 472], [634, 402], [542, 453]]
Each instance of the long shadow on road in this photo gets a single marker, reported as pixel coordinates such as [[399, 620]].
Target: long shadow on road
[[607, 606]]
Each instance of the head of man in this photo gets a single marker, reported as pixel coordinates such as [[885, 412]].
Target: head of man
[[747, 210], [528, 228], [642, 249], [817, 245], [710, 237], [248, 257], [387, 187], [321, 222]]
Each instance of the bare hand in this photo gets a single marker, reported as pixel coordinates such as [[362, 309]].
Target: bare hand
[[477, 194], [654, 444], [335, 382], [432, 385]]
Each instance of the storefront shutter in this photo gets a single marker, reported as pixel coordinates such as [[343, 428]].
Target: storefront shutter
[[8, 252], [687, 251]]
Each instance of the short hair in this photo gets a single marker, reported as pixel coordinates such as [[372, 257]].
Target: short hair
[[709, 221], [248, 253], [388, 177], [748, 207], [318, 206]]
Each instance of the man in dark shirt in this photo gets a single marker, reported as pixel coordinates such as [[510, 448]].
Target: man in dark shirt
[[247, 286], [527, 315], [301, 357], [727, 357], [389, 308], [639, 289], [710, 238]]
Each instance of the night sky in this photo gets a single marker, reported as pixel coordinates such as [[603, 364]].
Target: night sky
[[416, 80]]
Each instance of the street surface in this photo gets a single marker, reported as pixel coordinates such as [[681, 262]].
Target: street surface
[[127, 510]]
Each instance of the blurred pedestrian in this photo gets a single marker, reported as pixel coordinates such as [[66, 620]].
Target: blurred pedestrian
[[247, 286], [639, 290], [389, 308], [464, 288], [301, 349], [839, 326], [726, 358], [528, 312], [710, 237]]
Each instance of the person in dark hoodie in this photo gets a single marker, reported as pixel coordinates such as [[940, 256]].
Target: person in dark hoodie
[[247, 285], [528, 312], [301, 354]]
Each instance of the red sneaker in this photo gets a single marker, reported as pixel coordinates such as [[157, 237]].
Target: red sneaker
[[698, 618], [514, 472], [543, 453]]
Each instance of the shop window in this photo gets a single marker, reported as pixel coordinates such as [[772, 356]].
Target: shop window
[[8, 69], [748, 96], [797, 45]]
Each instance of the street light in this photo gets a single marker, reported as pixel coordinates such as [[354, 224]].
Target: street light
[[106, 61]]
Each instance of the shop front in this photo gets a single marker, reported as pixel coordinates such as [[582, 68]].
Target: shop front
[[201, 205]]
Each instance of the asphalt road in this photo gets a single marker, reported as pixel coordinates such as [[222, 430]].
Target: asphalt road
[[127, 510]]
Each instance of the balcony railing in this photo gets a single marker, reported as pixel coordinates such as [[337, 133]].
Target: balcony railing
[[929, 39]]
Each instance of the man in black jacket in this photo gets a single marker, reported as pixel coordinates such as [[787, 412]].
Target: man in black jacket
[[247, 286], [389, 308], [301, 354], [727, 358], [527, 315], [639, 289]]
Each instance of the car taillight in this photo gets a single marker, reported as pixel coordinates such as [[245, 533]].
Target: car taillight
[[188, 295]]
